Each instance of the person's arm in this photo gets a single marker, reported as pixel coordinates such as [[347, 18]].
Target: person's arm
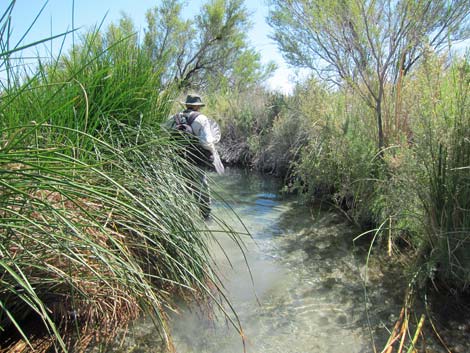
[[202, 129]]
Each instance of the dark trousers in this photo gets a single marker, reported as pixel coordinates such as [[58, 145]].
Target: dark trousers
[[200, 189]]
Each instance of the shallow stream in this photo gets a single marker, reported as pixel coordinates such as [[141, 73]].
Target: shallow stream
[[307, 291]]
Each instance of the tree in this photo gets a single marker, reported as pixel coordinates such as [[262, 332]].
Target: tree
[[366, 44], [123, 31], [204, 48]]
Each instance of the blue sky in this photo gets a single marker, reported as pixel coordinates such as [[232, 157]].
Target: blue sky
[[57, 18]]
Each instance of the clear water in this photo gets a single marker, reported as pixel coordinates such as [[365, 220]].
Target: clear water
[[306, 293]]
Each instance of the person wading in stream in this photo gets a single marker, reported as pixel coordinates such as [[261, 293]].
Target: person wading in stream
[[200, 136]]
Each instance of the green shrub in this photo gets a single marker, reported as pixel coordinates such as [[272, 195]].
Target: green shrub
[[339, 164], [443, 150], [244, 118]]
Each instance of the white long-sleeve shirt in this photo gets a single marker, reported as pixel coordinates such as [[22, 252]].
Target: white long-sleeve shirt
[[202, 130]]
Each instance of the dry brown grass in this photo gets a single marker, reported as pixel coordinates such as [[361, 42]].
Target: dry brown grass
[[85, 307]]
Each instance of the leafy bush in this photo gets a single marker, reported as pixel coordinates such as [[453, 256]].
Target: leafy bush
[[442, 122], [244, 118]]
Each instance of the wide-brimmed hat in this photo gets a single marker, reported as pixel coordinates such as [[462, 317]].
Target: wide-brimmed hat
[[193, 99]]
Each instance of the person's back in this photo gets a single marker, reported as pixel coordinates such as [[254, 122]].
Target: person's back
[[192, 136], [202, 152]]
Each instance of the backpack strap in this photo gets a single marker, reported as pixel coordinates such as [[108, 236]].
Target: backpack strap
[[177, 119], [191, 117]]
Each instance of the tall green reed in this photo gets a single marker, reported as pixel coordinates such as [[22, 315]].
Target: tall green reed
[[446, 201], [93, 206]]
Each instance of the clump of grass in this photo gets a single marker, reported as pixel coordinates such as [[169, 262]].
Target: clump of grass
[[431, 202], [94, 226], [262, 130], [446, 200]]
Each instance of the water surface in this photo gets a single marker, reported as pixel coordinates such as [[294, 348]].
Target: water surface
[[306, 289]]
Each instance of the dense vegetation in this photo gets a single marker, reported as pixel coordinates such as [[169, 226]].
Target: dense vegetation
[[93, 203], [380, 130], [412, 200], [321, 142]]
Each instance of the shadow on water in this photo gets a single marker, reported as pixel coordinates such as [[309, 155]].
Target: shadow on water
[[307, 291], [319, 243]]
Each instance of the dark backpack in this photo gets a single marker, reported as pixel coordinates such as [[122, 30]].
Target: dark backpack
[[184, 120], [193, 151]]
